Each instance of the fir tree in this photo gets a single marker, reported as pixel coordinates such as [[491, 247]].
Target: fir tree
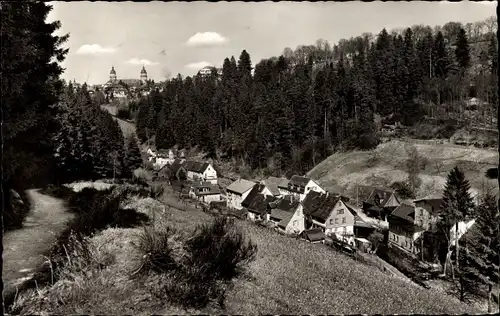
[[458, 204], [133, 158], [462, 51]]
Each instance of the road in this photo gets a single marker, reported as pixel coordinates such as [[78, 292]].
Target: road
[[24, 247]]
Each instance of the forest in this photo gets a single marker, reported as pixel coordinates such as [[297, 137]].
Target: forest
[[287, 113]]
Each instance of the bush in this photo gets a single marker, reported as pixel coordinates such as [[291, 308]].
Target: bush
[[221, 248], [16, 209], [403, 189], [94, 211], [157, 250], [199, 270], [123, 112], [60, 192]]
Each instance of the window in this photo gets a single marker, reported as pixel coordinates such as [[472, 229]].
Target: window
[[341, 211], [343, 220], [331, 221], [295, 223], [336, 221]]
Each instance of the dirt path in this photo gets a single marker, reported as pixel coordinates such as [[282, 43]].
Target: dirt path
[[23, 248]]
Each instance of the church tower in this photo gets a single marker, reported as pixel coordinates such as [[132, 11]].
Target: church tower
[[144, 75], [112, 74]]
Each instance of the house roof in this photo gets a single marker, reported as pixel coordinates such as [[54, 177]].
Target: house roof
[[319, 205], [260, 204], [405, 211], [201, 190], [378, 194], [283, 184], [298, 184], [176, 165], [283, 223], [272, 184], [196, 166], [253, 193], [240, 186], [315, 234]]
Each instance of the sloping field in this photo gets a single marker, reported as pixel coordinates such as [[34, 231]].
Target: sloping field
[[127, 127], [288, 276], [343, 171]]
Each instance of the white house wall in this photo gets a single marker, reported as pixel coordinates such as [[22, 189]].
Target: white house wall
[[234, 200]]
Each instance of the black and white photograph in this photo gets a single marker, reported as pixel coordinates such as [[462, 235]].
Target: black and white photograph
[[250, 158]]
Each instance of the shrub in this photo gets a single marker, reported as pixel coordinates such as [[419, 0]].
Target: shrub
[[156, 247], [16, 208], [199, 270], [221, 248], [61, 192], [403, 189], [142, 176], [123, 112]]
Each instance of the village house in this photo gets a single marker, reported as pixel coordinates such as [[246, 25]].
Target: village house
[[427, 212], [271, 186], [333, 215], [286, 216], [259, 207], [200, 171], [237, 191], [403, 230], [380, 204], [299, 187], [151, 154], [174, 171], [205, 192], [256, 190]]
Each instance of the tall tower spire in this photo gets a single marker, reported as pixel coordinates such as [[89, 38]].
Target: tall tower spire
[[112, 74], [144, 75]]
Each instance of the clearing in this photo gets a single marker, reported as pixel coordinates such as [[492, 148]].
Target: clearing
[[342, 172], [127, 127], [24, 247]]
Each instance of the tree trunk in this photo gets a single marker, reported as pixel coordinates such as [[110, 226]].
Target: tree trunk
[[489, 298]]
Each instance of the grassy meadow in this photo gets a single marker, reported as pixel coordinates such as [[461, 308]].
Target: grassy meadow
[[287, 276]]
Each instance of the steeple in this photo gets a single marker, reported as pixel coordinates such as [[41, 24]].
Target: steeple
[[144, 74], [112, 74]]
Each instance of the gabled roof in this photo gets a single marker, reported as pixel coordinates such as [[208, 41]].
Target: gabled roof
[[283, 184], [253, 193], [378, 194], [272, 184], [298, 184], [176, 165], [196, 166], [405, 212], [315, 234], [240, 186], [260, 204], [319, 205]]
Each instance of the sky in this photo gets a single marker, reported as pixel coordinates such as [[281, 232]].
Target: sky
[[178, 37]]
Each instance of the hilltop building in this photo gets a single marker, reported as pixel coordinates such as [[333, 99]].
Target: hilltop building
[[123, 88]]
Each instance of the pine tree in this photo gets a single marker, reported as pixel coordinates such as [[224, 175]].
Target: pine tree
[[462, 51], [133, 158], [457, 204], [479, 262]]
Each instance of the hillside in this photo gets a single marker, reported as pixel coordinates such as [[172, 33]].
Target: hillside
[[287, 276], [343, 171], [125, 126]]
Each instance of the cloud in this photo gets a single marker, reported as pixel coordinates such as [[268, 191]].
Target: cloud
[[94, 49], [137, 61], [206, 39], [198, 65]]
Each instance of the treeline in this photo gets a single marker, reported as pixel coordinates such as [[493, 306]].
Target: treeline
[[89, 144], [49, 133], [298, 107]]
